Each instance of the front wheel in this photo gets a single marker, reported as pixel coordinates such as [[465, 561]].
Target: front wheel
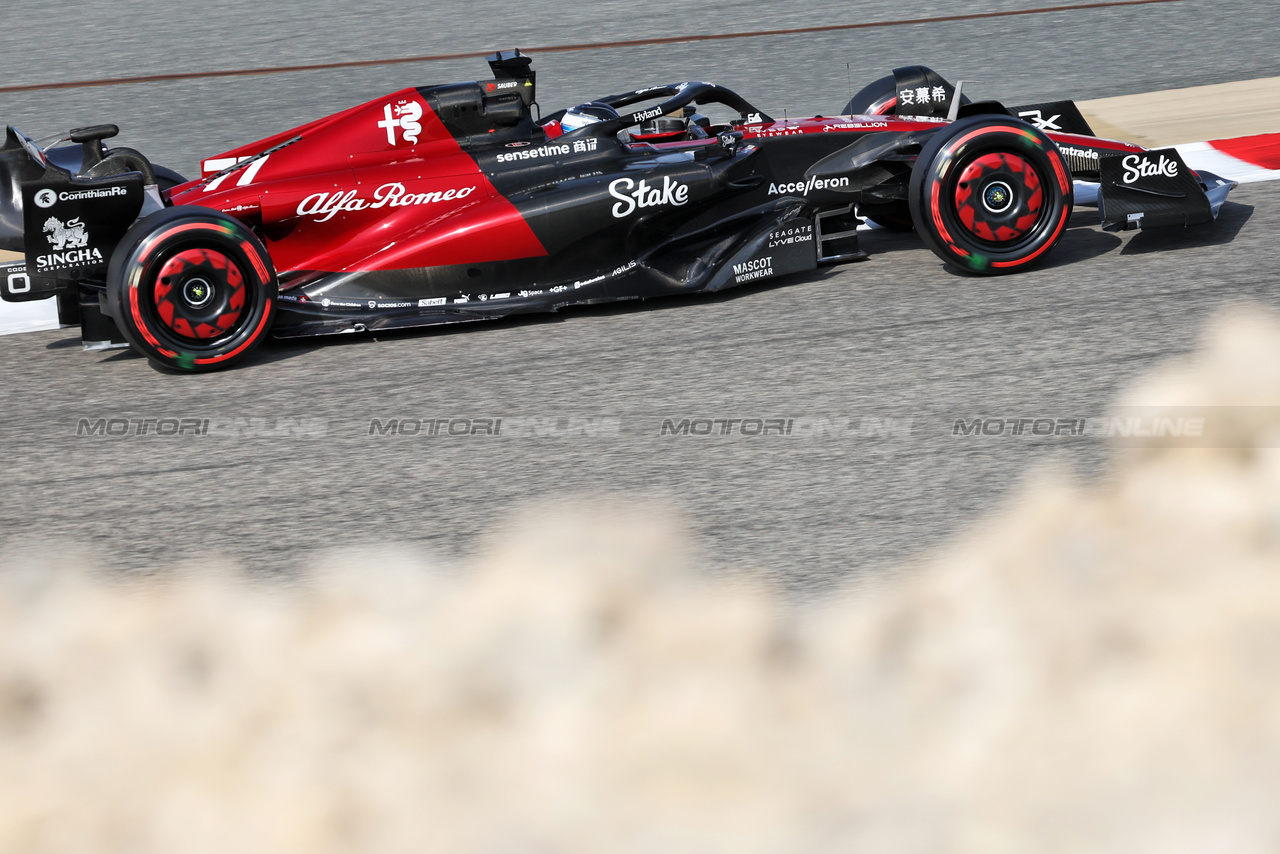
[[990, 195], [192, 288]]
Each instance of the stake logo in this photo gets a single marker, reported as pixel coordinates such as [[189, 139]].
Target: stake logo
[[1137, 166], [402, 116], [631, 196]]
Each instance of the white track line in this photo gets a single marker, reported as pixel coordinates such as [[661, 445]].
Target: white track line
[[28, 316], [1202, 156]]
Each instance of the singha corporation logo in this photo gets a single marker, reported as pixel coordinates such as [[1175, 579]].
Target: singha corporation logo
[[69, 236]]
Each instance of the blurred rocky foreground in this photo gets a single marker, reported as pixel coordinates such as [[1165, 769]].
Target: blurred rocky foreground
[[1097, 670]]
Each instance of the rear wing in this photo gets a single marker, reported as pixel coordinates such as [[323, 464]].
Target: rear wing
[[1155, 189]]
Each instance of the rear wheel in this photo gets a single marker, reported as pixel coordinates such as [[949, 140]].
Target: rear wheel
[[167, 179], [990, 195], [877, 98], [192, 288]]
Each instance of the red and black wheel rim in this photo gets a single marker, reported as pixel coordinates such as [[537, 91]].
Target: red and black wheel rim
[[200, 294], [999, 197]]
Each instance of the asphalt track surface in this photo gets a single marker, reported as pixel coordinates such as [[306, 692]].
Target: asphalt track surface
[[895, 337]]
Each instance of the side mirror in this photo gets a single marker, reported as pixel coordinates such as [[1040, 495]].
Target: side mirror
[[93, 132], [90, 139]]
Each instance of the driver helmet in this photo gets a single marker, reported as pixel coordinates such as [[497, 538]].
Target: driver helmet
[[586, 114]]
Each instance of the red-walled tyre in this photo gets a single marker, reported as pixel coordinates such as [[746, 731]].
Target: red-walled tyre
[[990, 195], [192, 288]]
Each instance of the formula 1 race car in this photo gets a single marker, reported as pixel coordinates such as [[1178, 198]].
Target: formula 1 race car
[[451, 203]]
